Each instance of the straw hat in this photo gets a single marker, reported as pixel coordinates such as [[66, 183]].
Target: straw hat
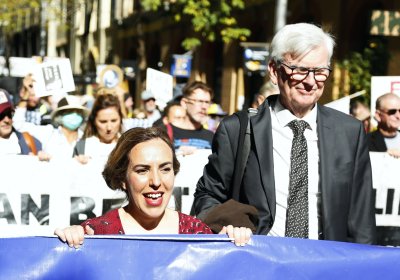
[[69, 102]]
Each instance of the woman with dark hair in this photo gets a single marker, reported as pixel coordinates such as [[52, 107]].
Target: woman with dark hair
[[102, 129], [143, 165]]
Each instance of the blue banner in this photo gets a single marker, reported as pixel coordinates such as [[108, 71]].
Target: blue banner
[[194, 257]]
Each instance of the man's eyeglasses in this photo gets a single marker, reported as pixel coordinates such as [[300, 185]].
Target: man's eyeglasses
[[299, 73], [7, 113], [199, 102], [391, 112]]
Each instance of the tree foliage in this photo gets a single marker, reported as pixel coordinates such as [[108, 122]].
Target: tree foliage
[[211, 19], [361, 66], [12, 11]]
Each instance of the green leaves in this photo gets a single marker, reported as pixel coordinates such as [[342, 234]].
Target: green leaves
[[211, 19]]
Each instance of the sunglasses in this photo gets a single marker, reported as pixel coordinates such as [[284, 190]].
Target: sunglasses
[[7, 113], [391, 111]]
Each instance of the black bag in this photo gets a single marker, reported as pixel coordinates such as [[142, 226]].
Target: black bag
[[233, 212]]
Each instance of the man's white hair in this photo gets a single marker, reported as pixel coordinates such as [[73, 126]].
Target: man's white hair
[[298, 39]]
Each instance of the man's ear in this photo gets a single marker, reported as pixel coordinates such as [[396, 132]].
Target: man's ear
[[272, 69], [377, 116], [183, 103], [124, 186]]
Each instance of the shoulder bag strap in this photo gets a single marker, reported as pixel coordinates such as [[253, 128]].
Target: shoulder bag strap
[[30, 142]]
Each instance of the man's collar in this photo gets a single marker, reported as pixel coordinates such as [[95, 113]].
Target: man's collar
[[284, 116]]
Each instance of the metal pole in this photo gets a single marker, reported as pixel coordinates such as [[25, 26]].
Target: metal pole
[[43, 18], [280, 14]]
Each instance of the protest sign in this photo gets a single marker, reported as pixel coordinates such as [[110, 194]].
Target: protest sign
[[22, 66], [386, 182], [161, 85], [59, 193], [53, 77]]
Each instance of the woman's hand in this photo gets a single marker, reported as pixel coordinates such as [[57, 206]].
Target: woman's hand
[[241, 235], [43, 156], [82, 159], [73, 235]]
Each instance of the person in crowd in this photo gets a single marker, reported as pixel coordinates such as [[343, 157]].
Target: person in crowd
[[191, 134], [386, 138], [38, 109], [308, 173], [13, 142], [361, 112], [143, 165], [266, 90], [58, 139], [173, 114], [149, 105], [128, 104], [215, 115], [102, 130]]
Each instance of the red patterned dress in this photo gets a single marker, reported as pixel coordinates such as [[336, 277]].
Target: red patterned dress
[[110, 223]]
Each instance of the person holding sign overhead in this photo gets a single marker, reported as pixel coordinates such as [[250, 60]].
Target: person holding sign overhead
[[143, 165]]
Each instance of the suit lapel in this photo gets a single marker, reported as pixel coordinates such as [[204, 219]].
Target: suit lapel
[[262, 133], [327, 154]]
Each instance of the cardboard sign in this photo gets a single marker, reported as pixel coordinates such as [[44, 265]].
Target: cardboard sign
[[22, 66], [161, 85], [53, 77], [109, 76]]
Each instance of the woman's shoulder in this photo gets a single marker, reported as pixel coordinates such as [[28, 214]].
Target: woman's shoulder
[[109, 223], [191, 225]]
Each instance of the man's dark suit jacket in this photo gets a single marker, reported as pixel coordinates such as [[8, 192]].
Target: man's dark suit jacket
[[376, 142], [346, 207]]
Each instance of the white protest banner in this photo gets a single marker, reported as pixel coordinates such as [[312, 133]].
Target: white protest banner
[[161, 85], [186, 180], [36, 197], [386, 181], [53, 77]]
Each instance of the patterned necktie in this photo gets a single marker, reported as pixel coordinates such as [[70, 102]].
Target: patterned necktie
[[297, 208]]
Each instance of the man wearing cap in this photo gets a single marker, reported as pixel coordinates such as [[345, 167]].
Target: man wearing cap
[[13, 142], [60, 138], [150, 107]]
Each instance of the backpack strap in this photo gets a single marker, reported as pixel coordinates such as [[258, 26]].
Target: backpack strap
[[243, 150], [170, 132], [30, 142], [79, 148]]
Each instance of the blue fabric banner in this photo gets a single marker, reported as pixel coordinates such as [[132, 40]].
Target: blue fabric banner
[[194, 257]]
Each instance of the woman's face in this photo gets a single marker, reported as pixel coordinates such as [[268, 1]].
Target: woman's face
[[108, 124], [150, 179]]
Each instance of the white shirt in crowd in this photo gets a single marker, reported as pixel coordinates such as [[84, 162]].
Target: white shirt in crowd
[[10, 146], [53, 140], [98, 150]]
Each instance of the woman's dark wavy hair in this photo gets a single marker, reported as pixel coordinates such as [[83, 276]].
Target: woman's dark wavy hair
[[114, 172], [103, 101]]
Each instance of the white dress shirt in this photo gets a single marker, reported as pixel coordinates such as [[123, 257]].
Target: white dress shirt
[[282, 137]]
